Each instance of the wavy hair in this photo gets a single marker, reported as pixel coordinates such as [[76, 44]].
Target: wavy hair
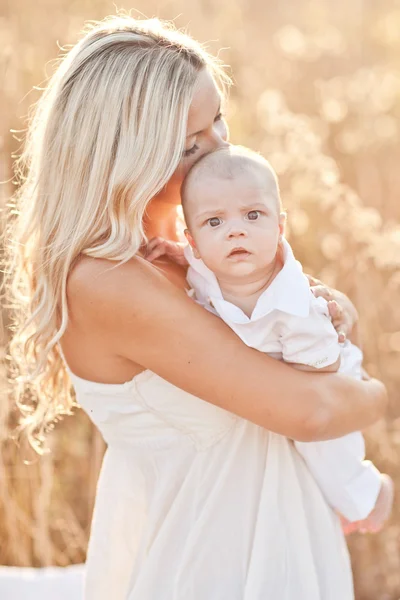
[[104, 139]]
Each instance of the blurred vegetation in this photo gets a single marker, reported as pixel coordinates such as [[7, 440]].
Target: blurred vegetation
[[317, 90]]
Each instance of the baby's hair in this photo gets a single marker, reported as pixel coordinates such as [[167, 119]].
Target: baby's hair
[[227, 163]]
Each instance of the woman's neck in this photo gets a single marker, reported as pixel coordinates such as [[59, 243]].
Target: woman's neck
[[161, 215]]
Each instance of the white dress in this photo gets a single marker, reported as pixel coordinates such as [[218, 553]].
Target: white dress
[[194, 503]]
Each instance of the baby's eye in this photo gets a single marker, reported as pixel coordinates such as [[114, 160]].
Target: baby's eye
[[253, 215], [214, 221]]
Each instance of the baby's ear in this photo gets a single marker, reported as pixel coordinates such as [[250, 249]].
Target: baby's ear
[[282, 223], [192, 243]]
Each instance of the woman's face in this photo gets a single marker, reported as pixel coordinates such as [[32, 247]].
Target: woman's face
[[206, 128]]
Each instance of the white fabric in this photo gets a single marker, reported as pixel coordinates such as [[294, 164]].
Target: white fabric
[[289, 323], [194, 503], [50, 583]]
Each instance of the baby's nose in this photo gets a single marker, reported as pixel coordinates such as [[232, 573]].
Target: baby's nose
[[237, 231]]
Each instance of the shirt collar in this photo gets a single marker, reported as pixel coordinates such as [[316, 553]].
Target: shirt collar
[[289, 292]]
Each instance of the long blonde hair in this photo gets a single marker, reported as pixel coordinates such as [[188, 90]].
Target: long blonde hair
[[105, 138]]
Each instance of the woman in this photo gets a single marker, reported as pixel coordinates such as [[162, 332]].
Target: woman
[[200, 496]]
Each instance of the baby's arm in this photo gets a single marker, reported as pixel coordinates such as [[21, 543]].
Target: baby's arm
[[310, 343], [306, 340]]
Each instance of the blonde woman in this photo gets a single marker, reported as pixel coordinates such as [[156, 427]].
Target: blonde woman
[[201, 495]]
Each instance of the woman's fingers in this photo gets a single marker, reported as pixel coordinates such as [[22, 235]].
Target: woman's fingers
[[313, 281], [322, 290], [340, 319]]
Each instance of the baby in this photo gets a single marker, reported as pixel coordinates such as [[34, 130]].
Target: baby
[[242, 269]]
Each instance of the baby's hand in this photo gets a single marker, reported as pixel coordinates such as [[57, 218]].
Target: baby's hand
[[379, 514], [157, 247]]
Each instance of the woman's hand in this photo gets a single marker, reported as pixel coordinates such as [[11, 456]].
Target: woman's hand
[[342, 311], [158, 247]]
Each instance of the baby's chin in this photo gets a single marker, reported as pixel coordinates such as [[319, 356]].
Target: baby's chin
[[239, 269]]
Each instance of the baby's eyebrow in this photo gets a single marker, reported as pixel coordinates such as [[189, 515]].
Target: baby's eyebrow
[[208, 213], [255, 205]]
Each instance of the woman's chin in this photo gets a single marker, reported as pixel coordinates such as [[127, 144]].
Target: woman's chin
[[171, 194]]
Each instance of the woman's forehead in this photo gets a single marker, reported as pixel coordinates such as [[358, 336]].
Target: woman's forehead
[[205, 104]]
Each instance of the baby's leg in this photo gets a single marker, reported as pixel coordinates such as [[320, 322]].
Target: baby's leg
[[382, 509]]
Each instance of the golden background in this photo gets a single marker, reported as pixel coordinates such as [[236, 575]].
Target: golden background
[[317, 91]]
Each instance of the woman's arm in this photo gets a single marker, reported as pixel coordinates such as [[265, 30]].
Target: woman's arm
[[342, 311], [140, 315]]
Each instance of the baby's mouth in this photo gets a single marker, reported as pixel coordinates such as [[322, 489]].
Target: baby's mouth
[[239, 253]]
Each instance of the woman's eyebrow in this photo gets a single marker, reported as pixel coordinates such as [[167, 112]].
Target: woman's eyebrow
[[200, 130]]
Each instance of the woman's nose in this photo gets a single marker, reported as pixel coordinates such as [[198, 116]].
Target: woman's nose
[[219, 142], [222, 144], [220, 136]]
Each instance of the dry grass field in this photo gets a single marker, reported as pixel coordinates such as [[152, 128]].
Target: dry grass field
[[317, 90]]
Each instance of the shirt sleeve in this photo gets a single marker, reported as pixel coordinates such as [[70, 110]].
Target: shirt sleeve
[[349, 483], [351, 360], [310, 340]]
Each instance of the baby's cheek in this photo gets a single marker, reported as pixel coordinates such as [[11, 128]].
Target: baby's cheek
[[212, 260], [203, 245], [264, 242], [211, 255], [268, 249]]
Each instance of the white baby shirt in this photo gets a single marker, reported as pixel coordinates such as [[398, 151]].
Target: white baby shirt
[[290, 324]]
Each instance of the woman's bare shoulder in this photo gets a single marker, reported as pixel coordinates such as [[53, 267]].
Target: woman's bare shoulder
[[90, 274], [96, 285]]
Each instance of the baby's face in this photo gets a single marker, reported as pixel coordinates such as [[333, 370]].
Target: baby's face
[[235, 224]]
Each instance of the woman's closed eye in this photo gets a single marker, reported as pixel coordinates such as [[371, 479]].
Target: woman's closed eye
[[195, 147], [191, 150]]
